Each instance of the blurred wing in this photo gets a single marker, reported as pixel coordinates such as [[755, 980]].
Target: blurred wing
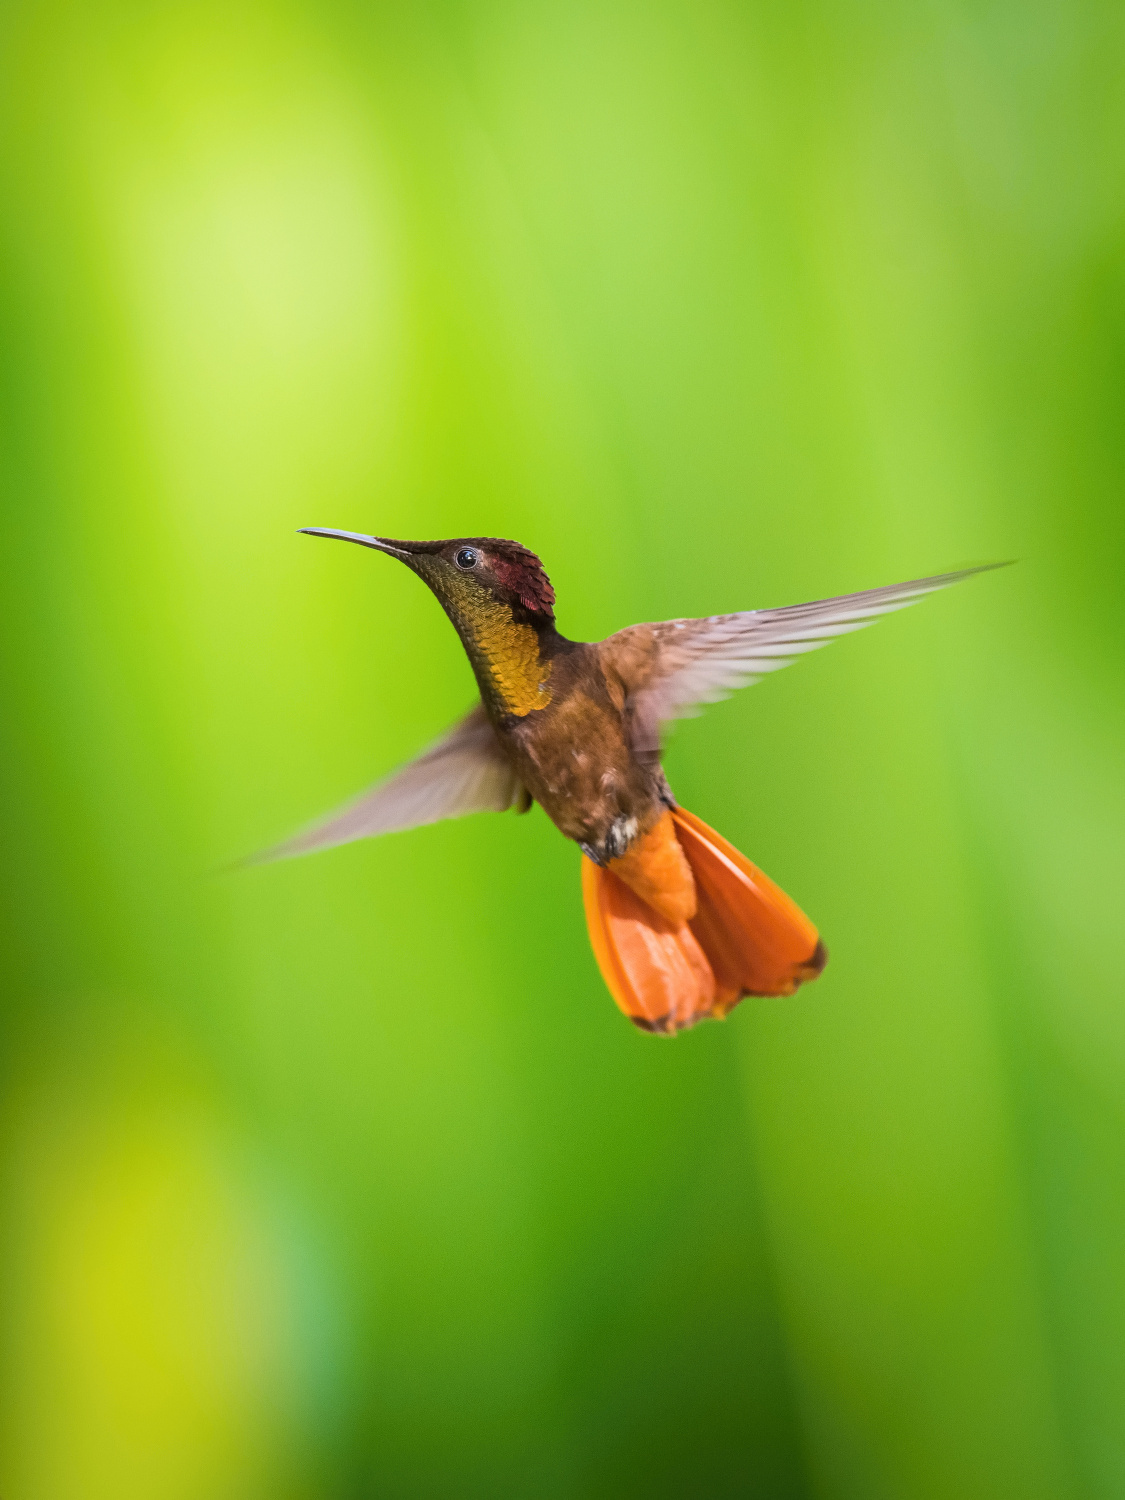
[[677, 665], [464, 772]]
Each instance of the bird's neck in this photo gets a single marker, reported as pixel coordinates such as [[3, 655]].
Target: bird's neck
[[511, 658]]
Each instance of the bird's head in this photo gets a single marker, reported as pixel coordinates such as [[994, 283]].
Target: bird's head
[[470, 574]]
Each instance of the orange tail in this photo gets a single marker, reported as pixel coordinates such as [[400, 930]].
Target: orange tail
[[746, 936]]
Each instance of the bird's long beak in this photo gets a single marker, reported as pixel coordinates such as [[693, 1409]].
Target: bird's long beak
[[356, 536]]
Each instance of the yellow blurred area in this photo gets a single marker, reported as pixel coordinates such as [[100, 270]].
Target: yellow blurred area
[[153, 1294]]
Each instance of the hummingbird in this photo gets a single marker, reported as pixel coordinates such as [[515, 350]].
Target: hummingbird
[[682, 925]]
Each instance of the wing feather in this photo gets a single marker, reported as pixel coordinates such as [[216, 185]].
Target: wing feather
[[669, 669], [466, 771]]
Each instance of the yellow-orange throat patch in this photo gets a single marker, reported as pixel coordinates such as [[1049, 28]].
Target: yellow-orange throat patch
[[507, 653]]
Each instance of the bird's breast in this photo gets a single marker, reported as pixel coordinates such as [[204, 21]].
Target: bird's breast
[[575, 760]]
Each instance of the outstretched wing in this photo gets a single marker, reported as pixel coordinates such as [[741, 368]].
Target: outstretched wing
[[668, 669], [466, 771]]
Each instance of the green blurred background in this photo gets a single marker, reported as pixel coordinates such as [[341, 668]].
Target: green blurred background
[[344, 1178]]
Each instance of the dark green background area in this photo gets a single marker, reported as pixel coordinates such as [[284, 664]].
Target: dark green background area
[[343, 1178]]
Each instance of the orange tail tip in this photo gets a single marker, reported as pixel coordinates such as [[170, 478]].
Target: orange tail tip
[[746, 936]]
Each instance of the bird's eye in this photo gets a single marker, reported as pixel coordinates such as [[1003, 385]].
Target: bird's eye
[[466, 558]]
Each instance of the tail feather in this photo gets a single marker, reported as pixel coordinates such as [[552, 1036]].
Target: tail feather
[[655, 970], [746, 938], [758, 939]]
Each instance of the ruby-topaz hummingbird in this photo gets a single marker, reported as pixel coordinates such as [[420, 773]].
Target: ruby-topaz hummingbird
[[683, 926]]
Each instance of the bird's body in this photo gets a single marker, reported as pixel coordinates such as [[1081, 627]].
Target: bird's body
[[574, 754], [681, 923]]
